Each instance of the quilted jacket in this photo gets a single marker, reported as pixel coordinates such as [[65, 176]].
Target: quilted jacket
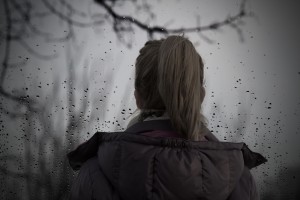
[[149, 161]]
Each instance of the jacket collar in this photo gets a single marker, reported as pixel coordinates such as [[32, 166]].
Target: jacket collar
[[163, 125], [146, 126], [89, 148]]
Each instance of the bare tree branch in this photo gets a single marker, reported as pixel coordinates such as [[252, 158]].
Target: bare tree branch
[[7, 45], [72, 9], [26, 20], [68, 19], [163, 30]]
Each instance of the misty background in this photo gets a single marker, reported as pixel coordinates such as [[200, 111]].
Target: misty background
[[67, 71]]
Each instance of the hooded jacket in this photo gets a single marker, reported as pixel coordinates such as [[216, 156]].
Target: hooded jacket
[[149, 161]]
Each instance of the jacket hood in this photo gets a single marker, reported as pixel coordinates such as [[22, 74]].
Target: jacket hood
[[142, 167]]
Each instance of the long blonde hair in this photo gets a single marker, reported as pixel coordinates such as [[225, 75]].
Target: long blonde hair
[[169, 76]]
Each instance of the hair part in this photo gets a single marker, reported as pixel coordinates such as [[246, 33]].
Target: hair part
[[169, 76]]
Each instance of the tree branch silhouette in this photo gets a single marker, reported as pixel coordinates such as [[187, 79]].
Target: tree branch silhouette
[[118, 19]]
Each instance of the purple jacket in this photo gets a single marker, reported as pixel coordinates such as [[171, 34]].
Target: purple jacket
[[140, 164]]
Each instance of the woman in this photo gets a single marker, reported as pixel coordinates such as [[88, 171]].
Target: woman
[[166, 152]]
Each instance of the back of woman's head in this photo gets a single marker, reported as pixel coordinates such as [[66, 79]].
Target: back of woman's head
[[169, 76]]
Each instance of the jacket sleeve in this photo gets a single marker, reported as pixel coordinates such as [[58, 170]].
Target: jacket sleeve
[[246, 188], [91, 183]]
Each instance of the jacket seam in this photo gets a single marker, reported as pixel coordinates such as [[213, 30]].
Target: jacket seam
[[170, 142], [91, 182], [229, 174], [118, 166], [202, 174], [153, 176]]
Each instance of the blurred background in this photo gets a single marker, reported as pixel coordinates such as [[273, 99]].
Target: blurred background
[[67, 71]]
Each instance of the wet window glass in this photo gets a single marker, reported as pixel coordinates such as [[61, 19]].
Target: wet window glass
[[67, 71]]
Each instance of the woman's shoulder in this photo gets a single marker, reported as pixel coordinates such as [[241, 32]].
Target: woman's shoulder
[[88, 182]]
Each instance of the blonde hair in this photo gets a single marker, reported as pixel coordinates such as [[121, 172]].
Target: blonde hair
[[169, 76]]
